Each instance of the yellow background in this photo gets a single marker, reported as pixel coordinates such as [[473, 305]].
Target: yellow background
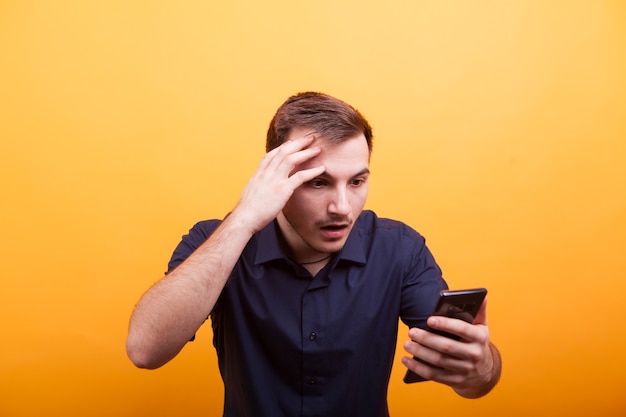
[[500, 134]]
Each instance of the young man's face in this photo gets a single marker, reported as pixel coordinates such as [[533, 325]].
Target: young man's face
[[321, 213]]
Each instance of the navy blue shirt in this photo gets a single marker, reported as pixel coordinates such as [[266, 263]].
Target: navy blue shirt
[[292, 345]]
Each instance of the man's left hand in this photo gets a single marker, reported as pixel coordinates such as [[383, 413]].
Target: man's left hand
[[471, 365]]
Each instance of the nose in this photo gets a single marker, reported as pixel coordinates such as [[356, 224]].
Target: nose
[[340, 203]]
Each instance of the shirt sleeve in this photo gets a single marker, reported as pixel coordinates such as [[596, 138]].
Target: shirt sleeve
[[191, 241], [421, 285]]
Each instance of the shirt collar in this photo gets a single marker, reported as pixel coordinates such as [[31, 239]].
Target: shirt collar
[[354, 249], [269, 248]]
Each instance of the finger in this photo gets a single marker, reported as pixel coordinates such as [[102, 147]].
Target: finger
[[291, 154], [427, 341], [294, 160], [428, 346], [453, 326], [438, 374], [294, 145], [450, 356], [443, 351], [290, 146], [433, 365], [300, 177], [418, 335]]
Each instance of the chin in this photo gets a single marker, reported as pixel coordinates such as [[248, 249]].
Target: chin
[[332, 247]]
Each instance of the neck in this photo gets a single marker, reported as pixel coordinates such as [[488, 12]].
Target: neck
[[318, 261], [296, 247]]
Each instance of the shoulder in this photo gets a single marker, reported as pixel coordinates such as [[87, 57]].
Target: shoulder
[[204, 228], [200, 232], [192, 240], [398, 248]]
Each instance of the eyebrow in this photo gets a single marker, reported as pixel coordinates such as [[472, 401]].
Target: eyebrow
[[364, 171]]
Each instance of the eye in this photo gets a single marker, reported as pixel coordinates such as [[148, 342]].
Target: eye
[[317, 183], [358, 182]]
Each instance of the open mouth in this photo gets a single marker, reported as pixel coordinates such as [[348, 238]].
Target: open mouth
[[335, 227], [334, 231]]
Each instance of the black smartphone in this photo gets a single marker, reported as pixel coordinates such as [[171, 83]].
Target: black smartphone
[[458, 304]]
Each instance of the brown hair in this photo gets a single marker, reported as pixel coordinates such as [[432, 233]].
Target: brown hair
[[331, 118]]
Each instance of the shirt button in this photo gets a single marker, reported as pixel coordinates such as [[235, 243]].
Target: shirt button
[[312, 380], [312, 336]]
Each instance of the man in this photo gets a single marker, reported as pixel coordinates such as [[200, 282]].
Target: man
[[304, 288]]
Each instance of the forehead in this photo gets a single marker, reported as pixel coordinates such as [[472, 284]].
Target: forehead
[[299, 132], [342, 159]]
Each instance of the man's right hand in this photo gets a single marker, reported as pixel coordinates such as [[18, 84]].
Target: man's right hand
[[275, 180]]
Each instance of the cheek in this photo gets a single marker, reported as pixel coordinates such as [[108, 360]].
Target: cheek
[[299, 207], [359, 198]]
